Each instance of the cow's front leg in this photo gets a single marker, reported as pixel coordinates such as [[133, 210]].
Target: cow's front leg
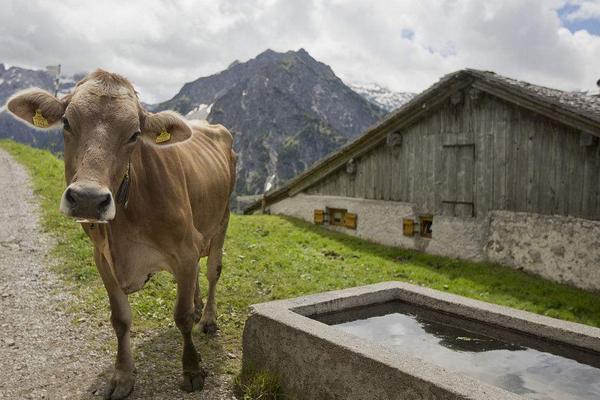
[[193, 375], [123, 378]]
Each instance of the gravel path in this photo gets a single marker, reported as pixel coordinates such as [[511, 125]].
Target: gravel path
[[44, 353]]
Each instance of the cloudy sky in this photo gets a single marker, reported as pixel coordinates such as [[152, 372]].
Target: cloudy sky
[[404, 44]]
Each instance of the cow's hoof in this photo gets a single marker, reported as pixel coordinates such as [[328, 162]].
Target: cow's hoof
[[192, 381], [208, 327], [120, 386]]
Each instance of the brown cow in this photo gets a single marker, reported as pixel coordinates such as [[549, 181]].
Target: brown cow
[[152, 192]]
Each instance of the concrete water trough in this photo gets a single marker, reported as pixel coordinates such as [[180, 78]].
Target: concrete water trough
[[399, 341]]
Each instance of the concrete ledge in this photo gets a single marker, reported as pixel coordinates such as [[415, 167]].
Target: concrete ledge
[[316, 361]]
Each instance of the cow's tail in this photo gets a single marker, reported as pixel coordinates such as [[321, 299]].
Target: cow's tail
[[232, 166]]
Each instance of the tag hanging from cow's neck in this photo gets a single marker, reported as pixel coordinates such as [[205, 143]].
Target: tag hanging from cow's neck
[[123, 192], [163, 136], [39, 120]]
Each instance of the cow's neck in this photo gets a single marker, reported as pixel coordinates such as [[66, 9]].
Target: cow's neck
[[149, 181]]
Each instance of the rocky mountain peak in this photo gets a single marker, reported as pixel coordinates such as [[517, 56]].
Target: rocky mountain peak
[[286, 110]]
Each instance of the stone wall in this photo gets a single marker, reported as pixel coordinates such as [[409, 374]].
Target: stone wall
[[563, 249]]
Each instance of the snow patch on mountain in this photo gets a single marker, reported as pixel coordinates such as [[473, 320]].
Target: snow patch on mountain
[[385, 98], [201, 112], [270, 182]]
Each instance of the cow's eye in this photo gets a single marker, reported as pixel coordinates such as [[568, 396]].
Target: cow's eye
[[66, 124], [134, 137]]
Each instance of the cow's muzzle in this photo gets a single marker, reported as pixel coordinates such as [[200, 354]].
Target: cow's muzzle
[[88, 201]]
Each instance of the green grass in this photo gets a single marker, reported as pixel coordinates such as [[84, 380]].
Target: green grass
[[270, 257], [261, 385]]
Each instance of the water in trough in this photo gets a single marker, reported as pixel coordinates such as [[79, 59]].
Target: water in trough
[[525, 365]]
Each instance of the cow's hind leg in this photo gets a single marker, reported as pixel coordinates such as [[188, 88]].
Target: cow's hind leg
[[193, 375], [198, 305], [123, 378], [208, 322]]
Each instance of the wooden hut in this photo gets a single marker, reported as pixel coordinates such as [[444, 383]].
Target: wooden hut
[[478, 166]]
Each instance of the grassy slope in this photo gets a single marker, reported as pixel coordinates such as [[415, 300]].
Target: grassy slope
[[269, 257]]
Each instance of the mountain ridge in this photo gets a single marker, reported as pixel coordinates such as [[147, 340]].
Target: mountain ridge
[[285, 110]]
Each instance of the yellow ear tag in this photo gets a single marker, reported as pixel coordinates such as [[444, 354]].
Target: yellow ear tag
[[39, 120], [163, 136]]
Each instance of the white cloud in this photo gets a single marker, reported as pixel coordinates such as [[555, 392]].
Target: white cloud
[[586, 9], [406, 45]]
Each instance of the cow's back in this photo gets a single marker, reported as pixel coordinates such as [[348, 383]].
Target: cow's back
[[217, 133]]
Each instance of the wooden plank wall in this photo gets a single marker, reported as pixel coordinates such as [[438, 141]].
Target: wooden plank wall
[[518, 161]]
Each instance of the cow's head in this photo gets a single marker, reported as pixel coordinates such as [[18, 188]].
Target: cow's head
[[103, 124]]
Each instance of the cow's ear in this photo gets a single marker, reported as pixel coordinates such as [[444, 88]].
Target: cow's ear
[[165, 127], [36, 107]]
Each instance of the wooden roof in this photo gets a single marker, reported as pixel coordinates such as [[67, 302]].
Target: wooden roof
[[575, 109]]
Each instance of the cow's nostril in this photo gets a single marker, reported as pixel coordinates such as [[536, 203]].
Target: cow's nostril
[[69, 196], [104, 203]]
